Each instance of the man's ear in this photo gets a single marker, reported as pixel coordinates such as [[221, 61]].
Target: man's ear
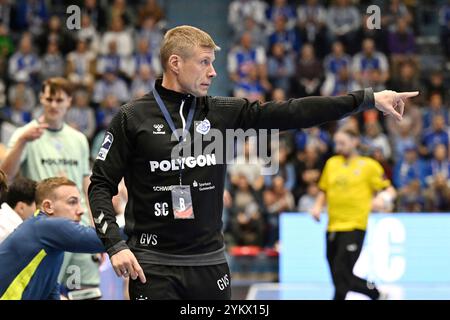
[[174, 63], [19, 207], [47, 207]]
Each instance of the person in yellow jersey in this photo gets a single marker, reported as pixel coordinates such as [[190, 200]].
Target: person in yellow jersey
[[349, 183]]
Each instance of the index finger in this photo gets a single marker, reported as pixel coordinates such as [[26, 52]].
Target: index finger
[[408, 94], [137, 268]]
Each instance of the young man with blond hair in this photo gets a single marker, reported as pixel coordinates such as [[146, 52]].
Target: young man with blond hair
[[31, 256], [174, 209]]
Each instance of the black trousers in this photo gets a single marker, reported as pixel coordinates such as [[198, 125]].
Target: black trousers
[[343, 250], [182, 283]]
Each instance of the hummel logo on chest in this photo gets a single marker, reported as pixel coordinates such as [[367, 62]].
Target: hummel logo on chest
[[158, 128]]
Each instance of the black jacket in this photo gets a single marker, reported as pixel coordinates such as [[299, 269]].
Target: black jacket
[[138, 147]]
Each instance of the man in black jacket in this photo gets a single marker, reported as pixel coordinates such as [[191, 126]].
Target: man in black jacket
[[174, 209]]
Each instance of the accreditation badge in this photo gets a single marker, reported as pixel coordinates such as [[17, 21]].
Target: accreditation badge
[[182, 202]]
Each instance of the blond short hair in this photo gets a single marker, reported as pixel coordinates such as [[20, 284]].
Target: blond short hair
[[46, 188], [182, 40]]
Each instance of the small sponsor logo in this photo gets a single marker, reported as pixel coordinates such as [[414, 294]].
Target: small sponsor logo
[[106, 145], [158, 127], [203, 127]]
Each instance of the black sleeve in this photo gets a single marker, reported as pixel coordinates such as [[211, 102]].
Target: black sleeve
[[108, 170], [293, 113]]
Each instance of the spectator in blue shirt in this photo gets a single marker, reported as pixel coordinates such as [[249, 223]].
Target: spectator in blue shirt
[[337, 59], [436, 107], [284, 35], [408, 169], [280, 67], [439, 164], [437, 134]]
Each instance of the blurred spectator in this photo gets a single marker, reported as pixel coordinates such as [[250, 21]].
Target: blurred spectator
[[239, 10], [436, 107], [437, 134], [313, 137], [439, 165], [5, 14], [80, 115], [107, 111], [367, 60], [312, 19], [118, 34], [110, 84], [408, 168], [437, 196], [20, 89], [308, 166], [402, 45], [435, 83], [30, 15], [309, 75], [6, 49], [307, 201], [374, 138], [119, 10], [17, 112], [344, 21], [144, 57], [410, 198], [444, 22], [403, 138], [246, 218], [242, 57], [89, 34], [379, 36], [338, 84], [149, 30], [284, 35], [337, 59], [247, 163], [81, 66], [280, 67], [277, 199], [412, 112], [24, 64], [112, 61], [143, 82], [377, 154], [407, 78], [251, 87], [96, 13], [56, 32], [281, 8], [256, 31], [52, 62], [278, 95], [395, 10], [151, 8], [286, 169]]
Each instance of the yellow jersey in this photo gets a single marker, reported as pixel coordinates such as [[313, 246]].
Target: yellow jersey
[[349, 187]]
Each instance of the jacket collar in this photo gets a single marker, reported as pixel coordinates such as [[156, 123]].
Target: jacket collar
[[170, 95]]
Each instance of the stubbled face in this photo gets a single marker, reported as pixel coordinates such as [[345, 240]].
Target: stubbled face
[[196, 71], [66, 203], [344, 144], [55, 106]]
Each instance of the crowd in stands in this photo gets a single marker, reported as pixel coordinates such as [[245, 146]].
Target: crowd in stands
[[280, 50]]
